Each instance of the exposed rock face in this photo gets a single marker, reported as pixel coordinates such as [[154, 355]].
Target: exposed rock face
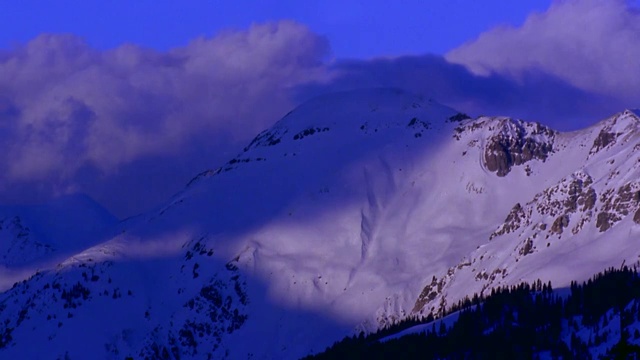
[[559, 224], [419, 126], [605, 220], [308, 132], [562, 210], [459, 117], [616, 204], [615, 131], [603, 140], [636, 216], [269, 137], [429, 293], [516, 143], [573, 202], [513, 221], [573, 195], [527, 248], [570, 203]]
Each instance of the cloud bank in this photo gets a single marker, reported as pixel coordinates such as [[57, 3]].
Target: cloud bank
[[75, 118]]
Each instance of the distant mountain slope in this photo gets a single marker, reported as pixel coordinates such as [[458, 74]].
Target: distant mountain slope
[[39, 236], [354, 211]]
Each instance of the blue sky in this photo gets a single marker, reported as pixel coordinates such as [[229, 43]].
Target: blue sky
[[354, 28], [98, 97]]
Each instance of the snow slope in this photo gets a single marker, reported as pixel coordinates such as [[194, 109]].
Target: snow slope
[[353, 211]]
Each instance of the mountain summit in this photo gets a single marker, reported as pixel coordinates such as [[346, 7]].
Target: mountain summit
[[354, 211]]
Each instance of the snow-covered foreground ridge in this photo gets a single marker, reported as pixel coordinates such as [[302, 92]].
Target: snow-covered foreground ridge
[[353, 211]]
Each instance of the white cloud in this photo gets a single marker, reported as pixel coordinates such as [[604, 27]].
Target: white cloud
[[592, 44]]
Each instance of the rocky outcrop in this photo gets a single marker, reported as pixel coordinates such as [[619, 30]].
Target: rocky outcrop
[[309, 131], [515, 144], [429, 293], [616, 204], [636, 216], [514, 221], [603, 140], [615, 131], [527, 248], [266, 138], [459, 117], [419, 126], [559, 224]]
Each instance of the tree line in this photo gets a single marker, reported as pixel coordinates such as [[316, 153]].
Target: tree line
[[525, 321]]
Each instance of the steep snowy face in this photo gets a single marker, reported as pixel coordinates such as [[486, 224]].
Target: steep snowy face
[[586, 221], [353, 211]]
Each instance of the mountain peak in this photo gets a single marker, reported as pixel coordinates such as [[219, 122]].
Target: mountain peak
[[347, 107], [620, 122], [632, 112], [357, 119]]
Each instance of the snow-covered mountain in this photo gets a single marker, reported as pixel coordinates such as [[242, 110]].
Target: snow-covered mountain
[[355, 210]]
